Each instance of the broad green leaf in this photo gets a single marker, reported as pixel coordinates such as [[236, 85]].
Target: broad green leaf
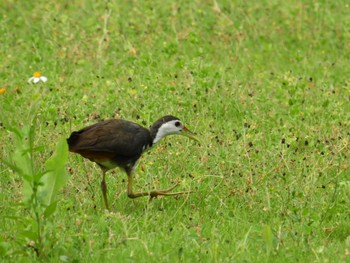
[[30, 234], [56, 175], [50, 209], [268, 237], [37, 176], [16, 169], [3, 248], [22, 159]]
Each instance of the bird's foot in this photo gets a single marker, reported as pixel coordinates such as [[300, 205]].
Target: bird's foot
[[167, 192], [154, 193]]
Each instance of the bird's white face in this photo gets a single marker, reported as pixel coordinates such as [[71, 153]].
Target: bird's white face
[[173, 127], [170, 127]]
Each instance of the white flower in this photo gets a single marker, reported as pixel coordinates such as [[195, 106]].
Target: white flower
[[37, 77]]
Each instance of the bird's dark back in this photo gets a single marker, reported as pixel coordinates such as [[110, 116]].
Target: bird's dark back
[[121, 137]]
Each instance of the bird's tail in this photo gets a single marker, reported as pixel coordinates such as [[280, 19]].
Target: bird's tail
[[72, 141]]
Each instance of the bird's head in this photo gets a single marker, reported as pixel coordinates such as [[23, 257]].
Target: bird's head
[[168, 125]]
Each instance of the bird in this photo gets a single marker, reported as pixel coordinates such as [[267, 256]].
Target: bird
[[120, 143]]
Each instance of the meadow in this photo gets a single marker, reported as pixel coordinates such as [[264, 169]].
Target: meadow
[[264, 84]]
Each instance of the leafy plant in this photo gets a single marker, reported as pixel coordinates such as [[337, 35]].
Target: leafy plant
[[40, 188]]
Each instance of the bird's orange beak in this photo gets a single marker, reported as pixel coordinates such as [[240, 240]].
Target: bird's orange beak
[[186, 132]]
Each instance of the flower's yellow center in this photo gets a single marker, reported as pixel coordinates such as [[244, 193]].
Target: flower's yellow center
[[37, 74]]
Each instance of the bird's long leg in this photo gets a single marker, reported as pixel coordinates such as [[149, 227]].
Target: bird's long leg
[[152, 193], [104, 188]]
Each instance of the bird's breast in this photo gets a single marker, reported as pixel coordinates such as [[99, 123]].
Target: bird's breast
[[107, 164]]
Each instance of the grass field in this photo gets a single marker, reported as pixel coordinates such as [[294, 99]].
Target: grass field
[[264, 84]]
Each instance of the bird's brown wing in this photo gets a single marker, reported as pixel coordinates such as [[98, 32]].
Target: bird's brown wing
[[114, 136]]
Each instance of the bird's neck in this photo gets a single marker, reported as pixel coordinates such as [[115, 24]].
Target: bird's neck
[[156, 138], [157, 133]]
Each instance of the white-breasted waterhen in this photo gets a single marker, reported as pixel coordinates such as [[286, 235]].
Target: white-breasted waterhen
[[120, 143]]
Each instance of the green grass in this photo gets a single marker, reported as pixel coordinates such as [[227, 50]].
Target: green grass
[[265, 84]]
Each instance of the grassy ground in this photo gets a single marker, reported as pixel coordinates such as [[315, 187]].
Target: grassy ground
[[265, 84]]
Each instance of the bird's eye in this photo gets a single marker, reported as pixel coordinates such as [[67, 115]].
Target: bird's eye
[[177, 124]]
